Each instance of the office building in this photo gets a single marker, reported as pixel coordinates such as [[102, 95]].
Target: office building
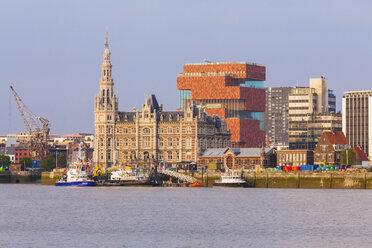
[[357, 119], [309, 116], [276, 116]]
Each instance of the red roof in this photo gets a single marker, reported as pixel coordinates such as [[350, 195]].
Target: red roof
[[361, 154], [337, 138]]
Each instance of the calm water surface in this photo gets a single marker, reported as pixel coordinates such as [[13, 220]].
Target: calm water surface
[[48, 216]]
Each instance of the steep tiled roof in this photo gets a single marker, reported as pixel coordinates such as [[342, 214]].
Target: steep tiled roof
[[361, 154], [336, 138]]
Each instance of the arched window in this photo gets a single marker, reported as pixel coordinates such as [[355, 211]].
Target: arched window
[[103, 92], [170, 142], [146, 131], [229, 161]]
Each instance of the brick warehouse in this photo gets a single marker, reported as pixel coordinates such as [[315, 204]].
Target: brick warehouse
[[233, 91]]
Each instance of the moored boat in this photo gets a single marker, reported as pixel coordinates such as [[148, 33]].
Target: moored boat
[[231, 178], [196, 184], [76, 176]]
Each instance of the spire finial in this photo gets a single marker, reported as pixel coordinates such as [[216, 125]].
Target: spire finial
[[106, 44]]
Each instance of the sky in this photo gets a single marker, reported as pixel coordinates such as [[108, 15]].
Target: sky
[[52, 50]]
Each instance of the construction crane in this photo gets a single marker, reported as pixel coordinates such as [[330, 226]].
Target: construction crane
[[37, 127]]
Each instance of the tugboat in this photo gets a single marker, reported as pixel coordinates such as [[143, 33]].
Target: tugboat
[[231, 178], [76, 176]]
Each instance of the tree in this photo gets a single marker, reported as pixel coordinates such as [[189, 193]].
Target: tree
[[61, 160], [26, 161], [348, 157], [48, 163], [4, 160]]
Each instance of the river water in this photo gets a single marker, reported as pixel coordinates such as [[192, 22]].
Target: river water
[[48, 216]]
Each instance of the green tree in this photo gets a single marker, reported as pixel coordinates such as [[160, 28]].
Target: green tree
[[348, 157], [61, 160], [4, 160], [48, 163], [26, 161]]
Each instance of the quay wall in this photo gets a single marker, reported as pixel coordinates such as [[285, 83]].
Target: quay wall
[[303, 180], [20, 177], [310, 180], [50, 178]]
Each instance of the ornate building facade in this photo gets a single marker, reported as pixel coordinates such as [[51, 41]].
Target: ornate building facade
[[168, 137]]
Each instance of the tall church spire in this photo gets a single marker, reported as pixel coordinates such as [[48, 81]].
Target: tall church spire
[[106, 64], [106, 44], [105, 112]]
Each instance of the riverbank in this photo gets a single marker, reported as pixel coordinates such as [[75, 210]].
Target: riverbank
[[20, 177], [303, 180]]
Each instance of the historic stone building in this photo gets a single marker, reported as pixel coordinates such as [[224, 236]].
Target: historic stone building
[[151, 134]]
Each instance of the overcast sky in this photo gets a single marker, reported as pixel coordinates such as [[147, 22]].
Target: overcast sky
[[52, 50]]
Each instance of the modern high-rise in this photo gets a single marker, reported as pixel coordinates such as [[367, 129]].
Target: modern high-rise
[[233, 91], [357, 119], [276, 115], [309, 114]]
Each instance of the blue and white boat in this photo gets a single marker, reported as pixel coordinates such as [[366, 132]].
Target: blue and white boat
[[76, 176]]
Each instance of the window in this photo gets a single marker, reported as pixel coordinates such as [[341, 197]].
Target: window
[[177, 142], [170, 130], [109, 142], [126, 155], [188, 129], [126, 142], [170, 142], [160, 156], [161, 142], [177, 130], [188, 155], [133, 130], [146, 131], [170, 157], [117, 142], [133, 142], [125, 130], [146, 141], [177, 155], [188, 143], [101, 141]]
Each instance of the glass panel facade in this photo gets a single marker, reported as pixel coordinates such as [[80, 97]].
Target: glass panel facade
[[253, 84], [185, 97]]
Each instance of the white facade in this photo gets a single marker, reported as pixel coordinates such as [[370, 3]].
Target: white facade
[[357, 119], [321, 89]]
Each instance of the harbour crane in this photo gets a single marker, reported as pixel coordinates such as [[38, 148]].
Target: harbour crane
[[37, 127]]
